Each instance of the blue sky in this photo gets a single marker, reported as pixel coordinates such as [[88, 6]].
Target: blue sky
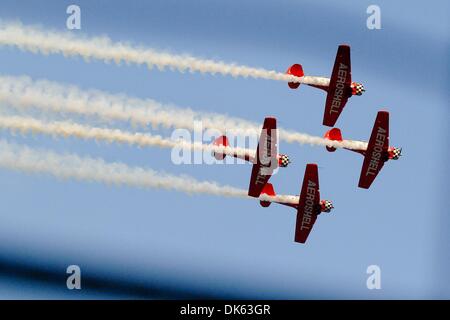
[[212, 246]]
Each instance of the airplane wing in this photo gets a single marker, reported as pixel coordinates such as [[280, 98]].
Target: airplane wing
[[308, 203], [376, 152], [340, 82], [266, 157]]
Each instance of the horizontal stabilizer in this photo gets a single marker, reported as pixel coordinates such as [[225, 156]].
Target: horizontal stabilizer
[[333, 135], [221, 141], [295, 70], [269, 191]]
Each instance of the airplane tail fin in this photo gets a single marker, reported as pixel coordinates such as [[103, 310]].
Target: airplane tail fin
[[295, 70], [221, 141], [333, 135], [267, 190]]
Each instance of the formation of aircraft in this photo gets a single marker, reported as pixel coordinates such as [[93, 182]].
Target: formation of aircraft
[[266, 159]]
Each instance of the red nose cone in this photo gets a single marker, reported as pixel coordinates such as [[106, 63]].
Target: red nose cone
[[295, 70], [220, 141]]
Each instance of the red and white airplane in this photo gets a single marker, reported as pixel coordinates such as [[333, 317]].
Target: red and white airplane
[[340, 87], [308, 204], [375, 153], [265, 160]]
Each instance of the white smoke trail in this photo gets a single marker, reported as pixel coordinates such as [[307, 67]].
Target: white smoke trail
[[22, 158], [65, 129], [72, 166], [23, 93], [38, 40], [280, 198]]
